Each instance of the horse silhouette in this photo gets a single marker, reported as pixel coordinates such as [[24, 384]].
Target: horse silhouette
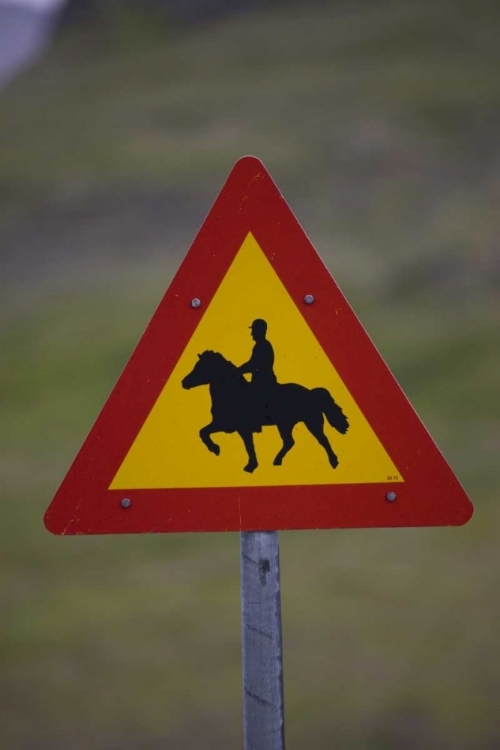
[[236, 408]]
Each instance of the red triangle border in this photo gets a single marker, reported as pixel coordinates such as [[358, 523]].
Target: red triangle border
[[250, 202]]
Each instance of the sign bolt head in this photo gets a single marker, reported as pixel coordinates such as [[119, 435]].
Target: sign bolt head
[[126, 502], [391, 496], [309, 299], [195, 302]]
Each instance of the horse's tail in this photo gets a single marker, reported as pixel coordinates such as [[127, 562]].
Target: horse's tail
[[331, 410]]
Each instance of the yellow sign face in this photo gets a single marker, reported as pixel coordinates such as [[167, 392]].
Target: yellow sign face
[[278, 349]]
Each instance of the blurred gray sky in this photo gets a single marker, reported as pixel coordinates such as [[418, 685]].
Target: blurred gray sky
[[25, 28]]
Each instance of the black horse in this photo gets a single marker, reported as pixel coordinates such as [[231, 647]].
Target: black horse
[[237, 408]]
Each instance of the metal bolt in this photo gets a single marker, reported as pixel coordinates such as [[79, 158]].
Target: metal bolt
[[391, 496], [309, 299], [125, 502], [195, 302]]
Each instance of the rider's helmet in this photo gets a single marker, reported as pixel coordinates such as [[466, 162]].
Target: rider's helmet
[[259, 327]]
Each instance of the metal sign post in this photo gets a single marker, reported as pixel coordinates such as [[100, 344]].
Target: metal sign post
[[263, 714]]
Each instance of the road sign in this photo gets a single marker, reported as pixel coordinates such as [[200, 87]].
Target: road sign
[[255, 400]]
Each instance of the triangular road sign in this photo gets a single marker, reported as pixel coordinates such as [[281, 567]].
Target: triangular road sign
[[255, 400]]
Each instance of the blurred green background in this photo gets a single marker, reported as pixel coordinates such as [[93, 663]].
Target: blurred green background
[[379, 121]]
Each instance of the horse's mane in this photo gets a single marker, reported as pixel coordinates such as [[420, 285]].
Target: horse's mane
[[221, 360]]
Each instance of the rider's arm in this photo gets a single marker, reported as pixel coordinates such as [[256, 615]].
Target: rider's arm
[[249, 366]]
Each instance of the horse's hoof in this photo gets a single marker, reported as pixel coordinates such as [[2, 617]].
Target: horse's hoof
[[250, 468], [334, 462], [277, 461], [214, 449]]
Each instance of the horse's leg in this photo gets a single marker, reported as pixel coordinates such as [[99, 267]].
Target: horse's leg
[[285, 431], [205, 433], [247, 438], [314, 424]]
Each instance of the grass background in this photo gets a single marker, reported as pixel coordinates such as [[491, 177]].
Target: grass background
[[379, 122]]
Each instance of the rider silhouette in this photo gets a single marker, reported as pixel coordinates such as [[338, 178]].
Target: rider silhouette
[[260, 366]]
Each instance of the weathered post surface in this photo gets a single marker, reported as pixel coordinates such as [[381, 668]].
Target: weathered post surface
[[264, 725]]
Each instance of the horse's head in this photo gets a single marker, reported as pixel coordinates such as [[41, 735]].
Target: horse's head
[[210, 366]]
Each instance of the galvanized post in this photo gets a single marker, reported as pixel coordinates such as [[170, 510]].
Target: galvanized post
[[263, 714]]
